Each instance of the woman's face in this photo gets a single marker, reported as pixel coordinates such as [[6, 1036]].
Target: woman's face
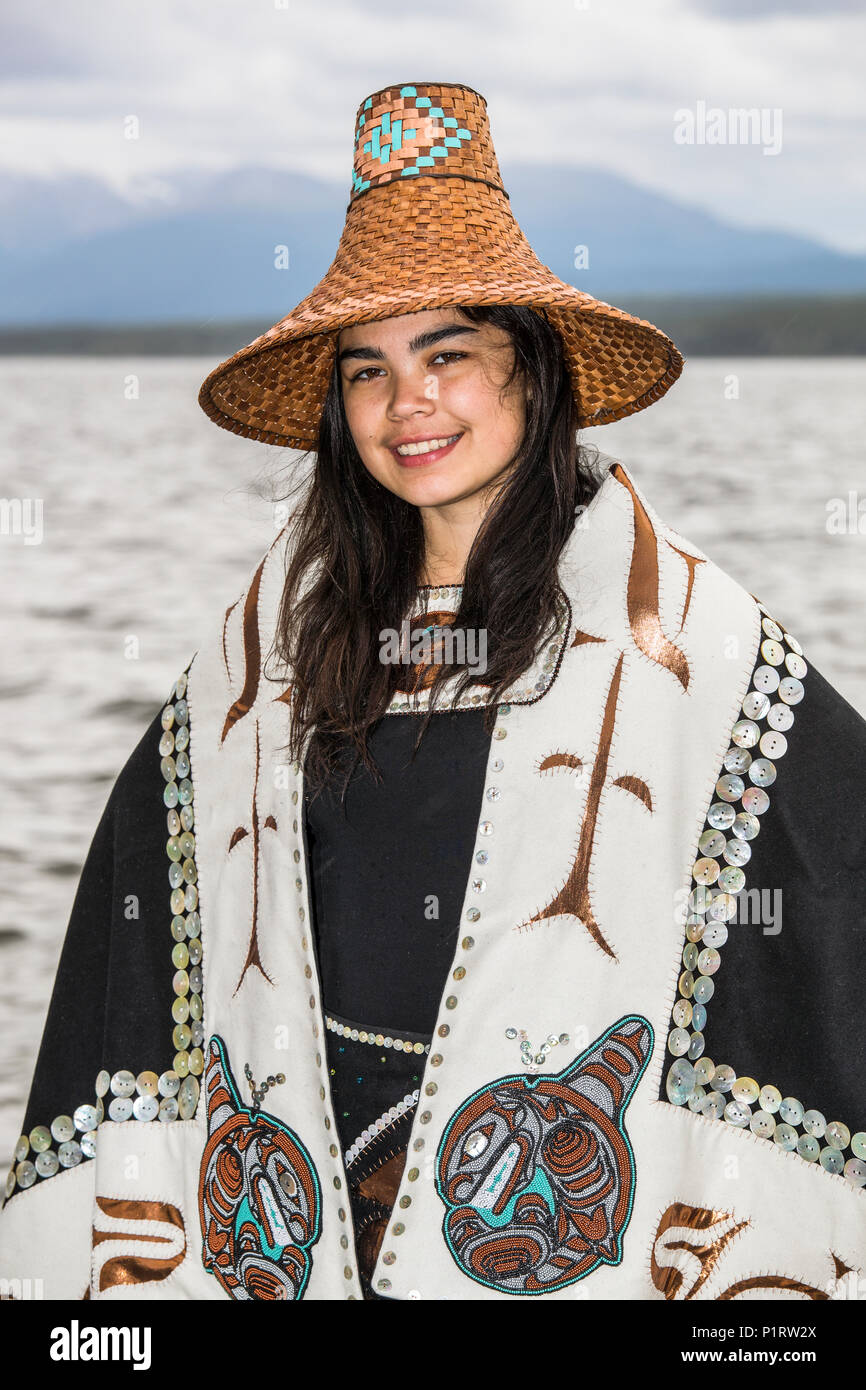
[[425, 401]]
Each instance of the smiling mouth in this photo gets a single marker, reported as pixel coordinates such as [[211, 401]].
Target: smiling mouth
[[425, 446]]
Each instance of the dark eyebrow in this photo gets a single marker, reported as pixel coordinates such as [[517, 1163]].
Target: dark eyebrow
[[423, 340]]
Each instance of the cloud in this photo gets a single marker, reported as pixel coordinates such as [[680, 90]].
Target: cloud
[[747, 10], [216, 84]]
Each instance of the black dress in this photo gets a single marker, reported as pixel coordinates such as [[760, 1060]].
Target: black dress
[[388, 870]]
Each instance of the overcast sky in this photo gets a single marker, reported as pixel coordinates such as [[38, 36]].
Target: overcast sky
[[218, 83]]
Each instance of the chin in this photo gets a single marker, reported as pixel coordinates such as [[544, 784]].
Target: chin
[[434, 492]]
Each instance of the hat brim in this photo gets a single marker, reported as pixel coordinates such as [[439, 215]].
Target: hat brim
[[431, 243]]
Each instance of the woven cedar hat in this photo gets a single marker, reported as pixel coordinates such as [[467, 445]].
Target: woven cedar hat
[[429, 226]]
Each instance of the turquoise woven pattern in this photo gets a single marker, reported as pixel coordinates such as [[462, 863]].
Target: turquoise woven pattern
[[408, 131]]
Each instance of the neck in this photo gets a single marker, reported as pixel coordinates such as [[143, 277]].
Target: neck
[[439, 581], [448, 536], [450, 530]]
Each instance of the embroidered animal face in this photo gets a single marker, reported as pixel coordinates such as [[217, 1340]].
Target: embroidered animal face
[[537, 1172], [259, 1195]]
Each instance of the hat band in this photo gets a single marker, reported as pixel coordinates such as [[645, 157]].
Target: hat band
[[427, 174]]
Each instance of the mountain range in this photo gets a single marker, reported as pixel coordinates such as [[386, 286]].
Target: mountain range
[[200, 247]]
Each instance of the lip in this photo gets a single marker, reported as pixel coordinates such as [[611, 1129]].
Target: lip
[[418, 460]]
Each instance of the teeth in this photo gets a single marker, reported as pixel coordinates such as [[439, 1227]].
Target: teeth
[[424, 446]]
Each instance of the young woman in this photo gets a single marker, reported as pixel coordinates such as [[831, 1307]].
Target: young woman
[[512, 888]]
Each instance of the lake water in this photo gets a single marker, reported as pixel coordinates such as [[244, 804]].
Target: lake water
[[153, 518]]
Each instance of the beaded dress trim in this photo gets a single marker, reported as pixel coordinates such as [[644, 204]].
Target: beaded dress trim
[[717, 1091], [385, 1121], [147, 1096], [377, 1037]]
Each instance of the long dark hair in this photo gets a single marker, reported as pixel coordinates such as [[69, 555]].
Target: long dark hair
[[357, 553]]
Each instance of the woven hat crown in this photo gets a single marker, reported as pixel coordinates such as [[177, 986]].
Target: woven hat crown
[[423, 128]]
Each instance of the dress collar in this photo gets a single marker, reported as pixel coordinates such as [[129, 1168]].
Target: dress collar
[[586, 561]]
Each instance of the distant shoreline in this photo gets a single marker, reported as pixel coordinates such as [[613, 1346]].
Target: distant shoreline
[[747, 326]]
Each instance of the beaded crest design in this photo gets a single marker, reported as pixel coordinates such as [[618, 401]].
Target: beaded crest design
[[538, 1173], [260, 1202]]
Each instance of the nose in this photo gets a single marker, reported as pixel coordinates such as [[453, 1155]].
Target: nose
[[411, 394]]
